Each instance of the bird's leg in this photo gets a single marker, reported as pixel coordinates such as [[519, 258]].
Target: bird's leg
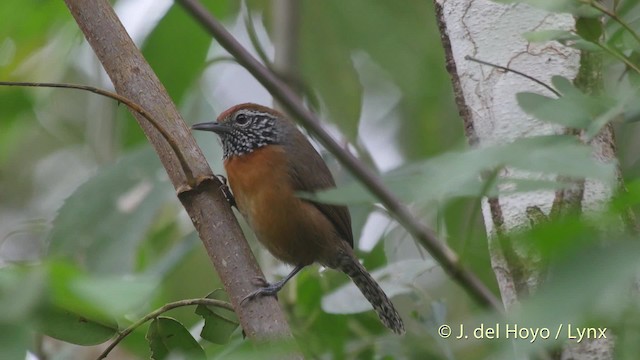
[[271, 289], [226, 191]]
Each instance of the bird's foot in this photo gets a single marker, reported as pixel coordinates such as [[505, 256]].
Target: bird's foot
[[265, 289], [226, 191]]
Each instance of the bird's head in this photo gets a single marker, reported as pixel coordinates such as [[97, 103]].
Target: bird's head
[[246, 127]]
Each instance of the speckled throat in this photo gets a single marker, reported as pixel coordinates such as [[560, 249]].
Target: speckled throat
[[248, 130]]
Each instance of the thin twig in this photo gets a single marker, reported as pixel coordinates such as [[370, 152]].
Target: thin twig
[[447, 258], [253, 37], [615, 54], [154, 314], [219, 59], [596, 5], [132, 105], [286, 43], [470, 58]]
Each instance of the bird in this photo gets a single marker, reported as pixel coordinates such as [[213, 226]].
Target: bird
[[268, 161]]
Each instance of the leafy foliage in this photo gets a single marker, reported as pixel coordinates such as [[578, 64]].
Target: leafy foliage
[[576, 7], [103, 239], [168, 339], [432, 180], [218, 323], [84, 259]]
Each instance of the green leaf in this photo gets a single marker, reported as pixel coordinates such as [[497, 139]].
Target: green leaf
[[589, 29], [574, 109], [585, 45], [585, 280], [101, 298], [457, 174], [168, 338], [24, 298], [115, 295], [564, 85], [628, 198], [331, 70], [73, 328], [177, 62], [575, 7], [21, 291], [612, 113], [632, 112], [352, 193], [30, 31], [61, 277], [396, 278], [562, 155], [14, 104], [15, 341], [629, 41], [172, 259], [549, 35], [102, 223], [552, 110], [219, 323]]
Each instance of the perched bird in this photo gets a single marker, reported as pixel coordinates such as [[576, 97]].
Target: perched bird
[[268, 160]]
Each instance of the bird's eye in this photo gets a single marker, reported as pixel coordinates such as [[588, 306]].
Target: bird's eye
[[242, 119]]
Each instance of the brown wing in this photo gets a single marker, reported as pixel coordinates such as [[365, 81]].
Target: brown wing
[[305, 160]]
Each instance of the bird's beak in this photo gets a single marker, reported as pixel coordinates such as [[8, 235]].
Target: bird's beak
[[217, 128]]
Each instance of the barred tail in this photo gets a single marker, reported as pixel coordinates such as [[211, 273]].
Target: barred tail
[[372, 291]]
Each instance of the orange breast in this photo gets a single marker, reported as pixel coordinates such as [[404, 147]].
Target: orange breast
[[293, 231]]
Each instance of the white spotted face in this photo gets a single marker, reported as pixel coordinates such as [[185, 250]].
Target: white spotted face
[[248, 130]]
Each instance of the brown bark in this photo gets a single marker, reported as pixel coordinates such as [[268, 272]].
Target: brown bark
[[220, 233]]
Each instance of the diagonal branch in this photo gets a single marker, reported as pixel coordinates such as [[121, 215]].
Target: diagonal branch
[[291, 102], [221, 235]]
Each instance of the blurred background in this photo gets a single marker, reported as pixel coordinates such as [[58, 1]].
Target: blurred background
[[80, 184]]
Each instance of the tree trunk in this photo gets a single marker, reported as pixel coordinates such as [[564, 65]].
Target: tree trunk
[[487, 103], [195, 185]]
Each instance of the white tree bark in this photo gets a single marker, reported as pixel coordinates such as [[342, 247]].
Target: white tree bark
[[486, 99]]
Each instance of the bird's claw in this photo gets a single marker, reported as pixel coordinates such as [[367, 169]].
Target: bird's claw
[[226, 191], [260, 281], [264, 289]]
